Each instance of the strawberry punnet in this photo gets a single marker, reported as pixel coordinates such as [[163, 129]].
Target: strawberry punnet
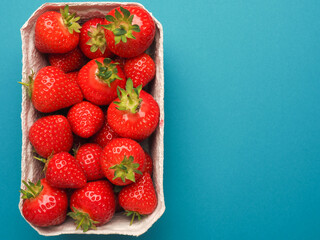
[[130, 31], [122, 161], [93, 205], [57, 32], [51, 134], [44, 205], [99, 80], [135, 114], [92, 39]]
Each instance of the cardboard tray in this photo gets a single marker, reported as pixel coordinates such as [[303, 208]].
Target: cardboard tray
[[31, 169]]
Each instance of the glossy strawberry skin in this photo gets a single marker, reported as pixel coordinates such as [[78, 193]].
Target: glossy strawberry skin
[[88, 156], [51, 35], [68, 62], [115, 152], [85, 119], [97, 199], [51, 134], [94, 90], [73, 76], [137, 126], [144, 38], [149, 164], [49, 208], [52, 90], [84, 38], [140, 196], [140, 69], [63, 171], [104, 135]]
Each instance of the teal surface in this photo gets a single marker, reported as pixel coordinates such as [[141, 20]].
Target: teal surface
[[242, 126]]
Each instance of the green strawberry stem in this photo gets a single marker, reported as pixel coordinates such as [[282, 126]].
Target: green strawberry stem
[[70, 20], [33, 190], [82, 219], [45, 161], [121, 25], [29, 84], [107, 71], [97, 39], [134, 214], [129, 98], [126, 169]]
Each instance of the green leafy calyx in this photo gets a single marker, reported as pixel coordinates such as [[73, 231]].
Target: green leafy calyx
[[126, 169], [82, 219], [70, 20], [107, 71], [121, 25], [97, 39], [134, 214], [29, 84], [32, 191]]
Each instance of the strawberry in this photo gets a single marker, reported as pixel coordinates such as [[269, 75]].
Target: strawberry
[[88, 156], [104, 135], [52, 90], [69, 61], [51, 134], [139, 198], [135, 114], [93, 205], [57, 32], [130, 30], [149, 164], [99, 80], [140, 69], [85, 119], [122, 161], [63, 171], [92, 39], [44, 205], [73, 76], [121, 61]]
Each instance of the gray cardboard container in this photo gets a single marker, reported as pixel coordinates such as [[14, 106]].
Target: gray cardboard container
[[32, 169]]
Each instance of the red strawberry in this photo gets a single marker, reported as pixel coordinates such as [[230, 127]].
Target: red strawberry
[[92, 39], [57, 32], [121, 61], [140, 69], [93, 205], [130, 31], [44, 205], [135, 114], [51, 134], [88, 156], [104, 135], [139, 198], [73, 76], [99, 80], [149, 164], [85, 119], [63, 171], [52, 90], [122, 161], [69, 61]]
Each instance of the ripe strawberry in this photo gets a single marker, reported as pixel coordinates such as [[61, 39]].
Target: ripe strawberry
[[85, 119], [104, 135], [99, 80], [135, 114], [92, 39], [63, 171], [73, 76], [88, 156], [122, 161], [149, 164], [44, 205], [130, 31], [52, 90], [93, 205], [51, 134], [57, 32], [139, 198], [121, 61], [140, 69], [69, 61]]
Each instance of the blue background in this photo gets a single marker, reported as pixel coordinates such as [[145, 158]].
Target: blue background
[[242, 128]]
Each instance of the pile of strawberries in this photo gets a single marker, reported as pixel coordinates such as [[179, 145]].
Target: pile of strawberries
[[93, 102]]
